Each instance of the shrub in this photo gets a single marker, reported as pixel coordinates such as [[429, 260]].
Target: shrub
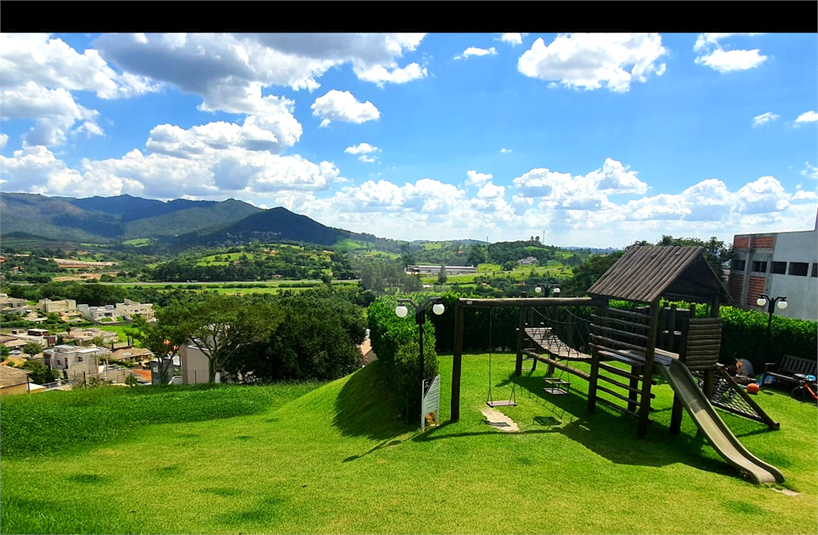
[[395, 341]]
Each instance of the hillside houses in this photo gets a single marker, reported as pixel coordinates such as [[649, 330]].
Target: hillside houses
[[127, 310]]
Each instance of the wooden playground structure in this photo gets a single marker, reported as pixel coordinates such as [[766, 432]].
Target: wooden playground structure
[[626, 347]]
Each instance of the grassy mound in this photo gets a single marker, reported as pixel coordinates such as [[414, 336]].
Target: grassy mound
[[338, 459]]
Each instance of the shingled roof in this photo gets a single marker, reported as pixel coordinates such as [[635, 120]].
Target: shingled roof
[[644, 274]]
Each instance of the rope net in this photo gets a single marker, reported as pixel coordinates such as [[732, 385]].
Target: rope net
[[561, 332]]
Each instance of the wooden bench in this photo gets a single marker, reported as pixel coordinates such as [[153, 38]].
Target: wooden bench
[[790, 367]]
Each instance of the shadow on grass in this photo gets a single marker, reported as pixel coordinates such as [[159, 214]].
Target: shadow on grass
[[613, 436], [365, 407]]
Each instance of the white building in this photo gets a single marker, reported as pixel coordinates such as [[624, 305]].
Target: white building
[[778, 264], [194, 364], [129, 309], [75, 361]]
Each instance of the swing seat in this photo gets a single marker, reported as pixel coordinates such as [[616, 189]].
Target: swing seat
[[502, 403], [556, 386]]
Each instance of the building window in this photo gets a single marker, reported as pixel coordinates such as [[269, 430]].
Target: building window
[[79, 359], [59, 363], [779, 268], [815, 269], [760, 266], [799, 269], [739, 265]]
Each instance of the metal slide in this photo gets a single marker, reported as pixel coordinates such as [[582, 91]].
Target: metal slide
[[717, 432]]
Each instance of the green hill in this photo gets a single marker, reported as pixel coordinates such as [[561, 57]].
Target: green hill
[[337, 459]]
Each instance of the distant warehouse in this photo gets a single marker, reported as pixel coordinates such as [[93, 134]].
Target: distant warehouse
[[434, 270]]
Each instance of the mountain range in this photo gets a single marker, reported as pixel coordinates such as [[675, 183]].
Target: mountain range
[[181, 222]]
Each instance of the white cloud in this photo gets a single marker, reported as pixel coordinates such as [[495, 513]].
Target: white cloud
[[763, 195], [505, 151], [591, 61], [810, 171], [581, 192], [513, 39], [491, 191], [474, 51], [255, 134], [807, 117], [764, 118], [38, 76], [732, 60], [342, 106], [364, 149], [35, 169], [718, 59], [477, 179], [230, 71], [4, 139]]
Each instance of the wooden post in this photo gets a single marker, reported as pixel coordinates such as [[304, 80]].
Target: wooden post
[[644, 408], [594, 376], [518, 368], [457, 363]]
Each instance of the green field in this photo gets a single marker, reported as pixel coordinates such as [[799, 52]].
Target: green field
[[339, 459]]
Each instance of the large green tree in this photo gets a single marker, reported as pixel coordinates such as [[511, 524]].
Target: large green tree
[[222, 326], [164, 338]]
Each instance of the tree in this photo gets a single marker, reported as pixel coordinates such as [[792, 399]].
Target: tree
[[164, 339], [442, 277], [32, 348], [222, 326], [589, 272], [40, 373]]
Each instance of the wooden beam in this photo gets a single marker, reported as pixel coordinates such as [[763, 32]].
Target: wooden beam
[[468, 302]]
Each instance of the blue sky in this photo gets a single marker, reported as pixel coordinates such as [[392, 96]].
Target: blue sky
[[588, 139]]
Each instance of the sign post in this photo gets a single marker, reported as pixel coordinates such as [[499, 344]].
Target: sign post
[[430, 395]]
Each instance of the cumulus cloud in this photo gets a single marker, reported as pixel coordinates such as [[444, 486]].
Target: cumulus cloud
[[764, 118], [513, 39], [491, 191], [342, 106], [230, 71], [505, 151], [592, 61], [477, 179], [763, 195], [38, 78], [807, 117], [4, 139], [714, 56], [581, 192], [254, 134], [364, 149], [474, 51]]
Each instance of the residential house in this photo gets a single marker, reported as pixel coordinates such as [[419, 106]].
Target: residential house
[[194, 365], [133, 354], [13, 381], [75, 361], [65, 306], [129, 309], [528, 261], [84, 336], [777, 264], [13, 304], [20, 337], [98, 313]]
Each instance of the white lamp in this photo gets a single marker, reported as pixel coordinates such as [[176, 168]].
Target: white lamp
[[401, 311], [782, 305], [438, 308], [556, 291], [761, 301]]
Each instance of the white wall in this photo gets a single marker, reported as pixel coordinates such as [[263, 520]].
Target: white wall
[[194, 365], [801, 292]]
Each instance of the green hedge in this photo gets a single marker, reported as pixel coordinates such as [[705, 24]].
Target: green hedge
[[744, 333], [395, 342]]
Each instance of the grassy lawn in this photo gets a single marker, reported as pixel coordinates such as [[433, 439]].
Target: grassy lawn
[[338, 459]]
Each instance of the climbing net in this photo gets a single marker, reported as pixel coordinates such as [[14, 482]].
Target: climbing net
[[561, 332]]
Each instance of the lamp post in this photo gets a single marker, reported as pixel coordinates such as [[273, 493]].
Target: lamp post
[[420, 318], [549, 290], [771, 303]]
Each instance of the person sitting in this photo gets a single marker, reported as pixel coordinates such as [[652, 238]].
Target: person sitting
[[742, 372]]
